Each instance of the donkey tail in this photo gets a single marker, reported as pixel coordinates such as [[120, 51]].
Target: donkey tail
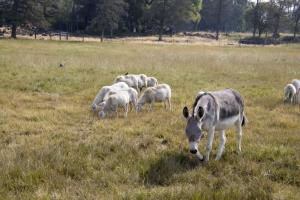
[[244, 120]]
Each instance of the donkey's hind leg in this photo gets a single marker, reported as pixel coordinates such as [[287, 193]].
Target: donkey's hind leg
[[239, 134]]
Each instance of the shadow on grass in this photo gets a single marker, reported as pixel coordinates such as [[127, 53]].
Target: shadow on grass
[[161, 170]]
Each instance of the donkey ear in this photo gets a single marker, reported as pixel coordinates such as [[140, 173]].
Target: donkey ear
[[200, 112], [185, 112]]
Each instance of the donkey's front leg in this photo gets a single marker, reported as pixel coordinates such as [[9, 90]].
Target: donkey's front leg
[[211, 133], [221, 145]]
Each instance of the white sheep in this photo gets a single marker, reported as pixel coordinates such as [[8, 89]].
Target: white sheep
[[133, 97], [118, 99], [289, 93], [159, 93], [131, 81], [296, 83], [152, 82], [298, 97], [141, 80], [104, 91]]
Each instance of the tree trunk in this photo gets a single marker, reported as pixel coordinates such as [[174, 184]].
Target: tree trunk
[[102, 36], [219, 19], [296, 28], [14, 31], [259, 32], [277, 22], [276, 27], [162, 22], [35, 34], [255, 20]]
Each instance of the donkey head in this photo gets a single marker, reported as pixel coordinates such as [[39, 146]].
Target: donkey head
[[193, 128]]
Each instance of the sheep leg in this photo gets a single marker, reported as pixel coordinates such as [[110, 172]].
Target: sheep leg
[[135, 105], [165, 104], [151, 105], [126, 107], [169, 102], [116, 110]]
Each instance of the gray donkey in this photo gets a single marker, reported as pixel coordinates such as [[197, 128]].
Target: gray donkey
[[214, 111]]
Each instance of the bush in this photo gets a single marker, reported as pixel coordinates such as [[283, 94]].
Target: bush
[[260, 41]]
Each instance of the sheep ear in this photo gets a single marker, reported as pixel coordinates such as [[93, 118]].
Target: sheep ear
[[200, 112], [185, 112]]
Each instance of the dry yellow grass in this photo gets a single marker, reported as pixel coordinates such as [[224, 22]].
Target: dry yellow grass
[[50, 149]]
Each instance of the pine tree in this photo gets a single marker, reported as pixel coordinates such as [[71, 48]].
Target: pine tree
[[108, 15], [167, 13]]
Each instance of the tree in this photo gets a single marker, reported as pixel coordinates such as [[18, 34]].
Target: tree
[[223, 15], [195, 16], [108, 16], [22, 12], [165, 14], [61, 15], [219, 14], [85, 12], [135, 13], [296, 16], [256, 18], [260, 17]]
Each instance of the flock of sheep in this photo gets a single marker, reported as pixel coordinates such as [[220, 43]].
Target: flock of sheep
[[292, 92], [125, 91]]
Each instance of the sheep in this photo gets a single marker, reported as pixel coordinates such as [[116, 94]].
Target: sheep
[[113, 101], [296, 83], [152, 82], [133, 94], [159, 93], [131, 81], [289, 93], [141, 80], [297, 97], [104, 91]]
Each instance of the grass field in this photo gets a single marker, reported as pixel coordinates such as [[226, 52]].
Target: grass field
[[50, 148]]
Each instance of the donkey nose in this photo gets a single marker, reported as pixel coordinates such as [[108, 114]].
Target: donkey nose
[[193, 151]]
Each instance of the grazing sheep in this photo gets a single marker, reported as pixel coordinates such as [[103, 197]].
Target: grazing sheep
[[296, 83], [214, 111], [104, 91], [131, 81], [152, 82], [141, 78], [133, 94], [289, 93], [118, 99], [298, 97], [159, 93]]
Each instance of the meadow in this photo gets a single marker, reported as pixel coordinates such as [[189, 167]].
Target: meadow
[[51, 149]]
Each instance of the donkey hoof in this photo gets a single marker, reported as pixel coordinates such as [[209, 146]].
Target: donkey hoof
[[202, 159]]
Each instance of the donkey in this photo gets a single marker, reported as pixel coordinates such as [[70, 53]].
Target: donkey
[[214, 111]]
